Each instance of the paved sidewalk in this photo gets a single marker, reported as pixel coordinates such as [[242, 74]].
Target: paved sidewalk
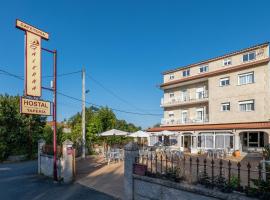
[[19, 181], [96, 174]]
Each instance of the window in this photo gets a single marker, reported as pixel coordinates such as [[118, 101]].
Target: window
[[224, 140], [246, 78], [186, 73], [246, 106], [225, 106], [204, 69], [184, 116], [206, 140], [184, 95], [224, 81], [249, 56], [171, 114], [171, 95], [171, 76], [200, 115], [200, 93], [227, 62]]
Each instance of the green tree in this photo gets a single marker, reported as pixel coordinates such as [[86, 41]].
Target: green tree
[[19, 133]]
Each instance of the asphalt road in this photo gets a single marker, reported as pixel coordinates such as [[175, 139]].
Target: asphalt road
[[20, 181]]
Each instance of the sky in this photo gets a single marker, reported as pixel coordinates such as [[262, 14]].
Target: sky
[[125, 45]]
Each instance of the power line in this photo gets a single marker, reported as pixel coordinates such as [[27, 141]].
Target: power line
[[64, 74], [76, 99], [47, 76], [113, 94], [114, 109], [10, 74]]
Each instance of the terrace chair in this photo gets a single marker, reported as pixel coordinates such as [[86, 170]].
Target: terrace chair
[[121, 151], [116, 155], [210, 153], [108, 157]]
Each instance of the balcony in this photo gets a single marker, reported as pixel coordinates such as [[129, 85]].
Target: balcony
[[174, 121], [200, 97]]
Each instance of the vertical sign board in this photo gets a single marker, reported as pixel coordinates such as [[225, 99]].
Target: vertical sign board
[[33, 65], [33, 58]]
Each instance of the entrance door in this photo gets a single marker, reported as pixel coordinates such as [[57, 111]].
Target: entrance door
[[252, 141], [186, 142]]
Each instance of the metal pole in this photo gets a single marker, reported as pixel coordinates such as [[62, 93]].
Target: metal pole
[[83, 113], [54, 115]]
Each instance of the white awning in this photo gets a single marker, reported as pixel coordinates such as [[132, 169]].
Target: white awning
[[114, 132]]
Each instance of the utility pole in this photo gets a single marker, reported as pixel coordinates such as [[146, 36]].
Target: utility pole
[[83, 113], [55, 115]]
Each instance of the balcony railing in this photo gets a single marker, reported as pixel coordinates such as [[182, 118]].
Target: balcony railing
[[174, 121], [199, 96]]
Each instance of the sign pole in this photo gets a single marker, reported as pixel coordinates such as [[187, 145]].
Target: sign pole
[[54, 115]]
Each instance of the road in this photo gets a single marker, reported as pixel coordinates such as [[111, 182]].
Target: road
[[20, 181]]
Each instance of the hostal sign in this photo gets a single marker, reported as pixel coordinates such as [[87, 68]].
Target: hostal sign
[[35, 107]]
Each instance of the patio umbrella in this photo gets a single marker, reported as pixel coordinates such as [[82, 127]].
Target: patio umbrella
[[114, 132], [165, 133], [139, 134]]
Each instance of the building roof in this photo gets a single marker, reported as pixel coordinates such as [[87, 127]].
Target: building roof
[[217, 72], [50, 123], [217, 58], [227, 126]]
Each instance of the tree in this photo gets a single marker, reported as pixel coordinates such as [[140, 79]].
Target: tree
[[98, 120], [19, 133]]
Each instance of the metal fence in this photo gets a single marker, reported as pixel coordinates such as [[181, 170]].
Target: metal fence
[[224, 174]]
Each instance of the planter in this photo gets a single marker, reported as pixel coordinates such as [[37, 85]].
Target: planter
[[139, 169], [237, 153]]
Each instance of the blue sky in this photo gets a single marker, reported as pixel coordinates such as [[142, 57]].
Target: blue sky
[[126, 45]]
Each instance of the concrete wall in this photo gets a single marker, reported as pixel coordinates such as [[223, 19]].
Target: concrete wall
[[146, 188], [234, 93], [46, 165], [65, 164]]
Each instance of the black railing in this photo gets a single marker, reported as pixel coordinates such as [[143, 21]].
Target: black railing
[[226, 175]]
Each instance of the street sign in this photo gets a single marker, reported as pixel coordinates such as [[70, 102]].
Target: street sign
[[28, 28], [35, 107]]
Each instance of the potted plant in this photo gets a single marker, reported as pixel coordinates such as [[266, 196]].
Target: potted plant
[[236, 153]]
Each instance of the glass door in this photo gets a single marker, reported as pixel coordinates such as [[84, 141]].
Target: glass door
[[184, 116]]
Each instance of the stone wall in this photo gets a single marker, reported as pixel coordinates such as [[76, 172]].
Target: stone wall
[[146, 188], [46, 165], [65, 164]]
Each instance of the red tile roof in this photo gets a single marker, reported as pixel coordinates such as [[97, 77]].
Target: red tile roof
[[198, 127]]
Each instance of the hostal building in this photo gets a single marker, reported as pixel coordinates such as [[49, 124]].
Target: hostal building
[[223, 102]]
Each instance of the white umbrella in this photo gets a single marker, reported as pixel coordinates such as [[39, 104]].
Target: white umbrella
[[140, 134], [168, 133], [114, 132], [165, 133]]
